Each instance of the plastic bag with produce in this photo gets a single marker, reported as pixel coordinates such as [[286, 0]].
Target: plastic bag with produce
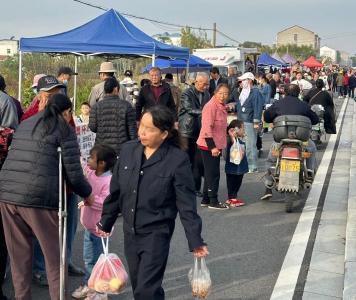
[[109, 275], [199, 277]]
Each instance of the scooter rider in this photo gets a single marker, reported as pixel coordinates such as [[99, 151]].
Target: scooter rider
[[289, 105]]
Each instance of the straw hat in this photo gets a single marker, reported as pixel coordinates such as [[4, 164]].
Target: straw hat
[[107, 67]]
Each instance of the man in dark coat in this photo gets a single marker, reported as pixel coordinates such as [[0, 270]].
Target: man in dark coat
[[215, 80], [157, 92], [352, 84], [192, 101], [318, 96], [290, 105], [113, 119]]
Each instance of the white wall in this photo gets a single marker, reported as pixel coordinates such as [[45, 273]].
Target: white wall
[[328, 52], [8, 47]]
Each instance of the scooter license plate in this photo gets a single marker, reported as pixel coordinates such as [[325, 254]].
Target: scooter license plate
[[290, 165]]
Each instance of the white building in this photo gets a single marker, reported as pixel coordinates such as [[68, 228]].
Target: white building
[[8, 47], [331, 53], [345, 59], [169, 38]]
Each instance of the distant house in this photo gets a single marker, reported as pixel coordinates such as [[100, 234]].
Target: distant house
[[8, 47], [337, 56], [297, 35], [326, 51], [169, 38]]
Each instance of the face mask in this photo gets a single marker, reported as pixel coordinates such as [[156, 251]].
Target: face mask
[[245, 84], [65, 81]]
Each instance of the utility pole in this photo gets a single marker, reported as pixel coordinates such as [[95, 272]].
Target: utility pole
[[214, 35]]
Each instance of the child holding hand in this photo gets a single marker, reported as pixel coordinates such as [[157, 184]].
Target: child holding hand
[[236, 162], [98, 172]]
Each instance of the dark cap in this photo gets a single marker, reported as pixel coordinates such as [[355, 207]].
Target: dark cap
[[47, 83], [66, 70], [128, 73]]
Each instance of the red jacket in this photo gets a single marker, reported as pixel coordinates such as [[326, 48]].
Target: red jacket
[[34, 108], [345, 80], [214, 124]]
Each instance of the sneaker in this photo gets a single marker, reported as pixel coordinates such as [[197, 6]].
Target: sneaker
[[204, 203], [40, 279], [82, 292], [267, 195], [228, 202], [237, 202], [252, 171], [218, 206], [97, 296]]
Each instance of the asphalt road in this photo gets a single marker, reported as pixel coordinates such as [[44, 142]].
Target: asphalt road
[[247, 245]]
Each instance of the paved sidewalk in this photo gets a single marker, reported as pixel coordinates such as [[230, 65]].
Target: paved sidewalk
[[326, 271], [290, 282]]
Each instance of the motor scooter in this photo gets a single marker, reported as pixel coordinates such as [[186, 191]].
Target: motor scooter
[[290, 175]]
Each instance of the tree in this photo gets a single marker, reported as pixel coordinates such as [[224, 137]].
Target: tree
[[353, 59], [165, 39], [249, 44], [338, 57], [193, 40]]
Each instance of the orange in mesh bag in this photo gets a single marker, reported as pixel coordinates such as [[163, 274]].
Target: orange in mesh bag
[[109, 275], [199, 277]]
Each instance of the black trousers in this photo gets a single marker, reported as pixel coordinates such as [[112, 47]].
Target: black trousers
[[211, 177], [147, 256], [3, 257], [233, 183], [195, 161]]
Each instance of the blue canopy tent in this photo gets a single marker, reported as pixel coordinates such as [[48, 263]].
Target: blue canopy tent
[[194, 64], [109, 34], [266, 60]]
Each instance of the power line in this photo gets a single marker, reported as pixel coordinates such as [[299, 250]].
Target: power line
[[158, 21]]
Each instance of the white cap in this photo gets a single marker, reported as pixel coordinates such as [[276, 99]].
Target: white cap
[[247, 75]]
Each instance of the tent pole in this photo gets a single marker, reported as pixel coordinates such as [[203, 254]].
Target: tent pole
[[153, 60], [75, 82], [187, 69], [20, 76]]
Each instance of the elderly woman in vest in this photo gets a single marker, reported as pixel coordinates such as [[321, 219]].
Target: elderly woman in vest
[[29, 192]]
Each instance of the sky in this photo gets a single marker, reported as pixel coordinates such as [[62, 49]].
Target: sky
[[248, 20]]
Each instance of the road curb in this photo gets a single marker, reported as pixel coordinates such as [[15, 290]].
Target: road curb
[[350, 244]]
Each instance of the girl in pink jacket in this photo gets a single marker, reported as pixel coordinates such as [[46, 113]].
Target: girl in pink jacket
[[98, 172], [211, 141]]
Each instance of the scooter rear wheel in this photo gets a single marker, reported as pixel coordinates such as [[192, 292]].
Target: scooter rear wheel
[[289, 204]]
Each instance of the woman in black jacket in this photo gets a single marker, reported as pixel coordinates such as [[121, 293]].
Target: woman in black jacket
[[29, 191], [151, 182], [318, 96]]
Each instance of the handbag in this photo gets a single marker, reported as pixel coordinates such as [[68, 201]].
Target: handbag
[[236, 152]]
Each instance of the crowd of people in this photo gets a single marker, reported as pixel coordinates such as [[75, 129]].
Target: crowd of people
[[155, 145]]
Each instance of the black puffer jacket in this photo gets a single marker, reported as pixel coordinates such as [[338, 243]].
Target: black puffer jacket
[[114, 121], [189, 116], [29, 176]]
